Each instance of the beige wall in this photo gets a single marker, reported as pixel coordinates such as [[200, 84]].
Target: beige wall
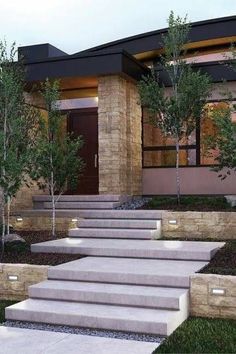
[[194, 180], [119, 136], [27, 275], [206, 304], [198, 224]]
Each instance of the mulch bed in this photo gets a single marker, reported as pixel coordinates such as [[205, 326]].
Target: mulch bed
[[20, 254], [224, 261], [189, 203]]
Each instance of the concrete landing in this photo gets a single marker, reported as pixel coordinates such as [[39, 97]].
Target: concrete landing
[[27, 341], [128, 271], [176, 250]]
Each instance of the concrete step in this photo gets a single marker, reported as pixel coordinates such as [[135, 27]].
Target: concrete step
[[115, 294], [165, 273], [120, 223], [121, 318], [82, 198], [97, 214], [82, 205], [114, 233], [156, 249]]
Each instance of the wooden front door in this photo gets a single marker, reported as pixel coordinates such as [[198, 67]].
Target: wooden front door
[[84, 122]]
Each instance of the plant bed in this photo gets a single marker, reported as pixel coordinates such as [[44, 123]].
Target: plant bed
[[22, 253], [224, 261], [201, 335], [189, 203]]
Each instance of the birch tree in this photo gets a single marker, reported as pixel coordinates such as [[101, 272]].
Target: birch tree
[[18, 123], [175, 114], [55, 161]]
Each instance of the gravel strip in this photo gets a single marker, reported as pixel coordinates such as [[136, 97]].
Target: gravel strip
[[135, 203], [85, 331]]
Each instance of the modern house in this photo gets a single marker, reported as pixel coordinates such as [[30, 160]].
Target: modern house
[[124, 154]]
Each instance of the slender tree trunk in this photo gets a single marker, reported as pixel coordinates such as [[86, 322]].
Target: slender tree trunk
[[177, 171], [3, 228], [8, 214], [3, 177], [53, 206]]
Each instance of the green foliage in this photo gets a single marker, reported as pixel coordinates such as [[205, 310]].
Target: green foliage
[[3, 305], [55, 154], [55, 162], [224, 142], [177, 112], [190, 203], [17, 125], [202, 335]]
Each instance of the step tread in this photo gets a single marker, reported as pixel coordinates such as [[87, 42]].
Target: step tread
[[130, 265], [128, 271], [192, 250], [114, 233], [94, 310], [107, 288], [119, 223], [84, 205], [97, 214], [96, 315], [71, 198]]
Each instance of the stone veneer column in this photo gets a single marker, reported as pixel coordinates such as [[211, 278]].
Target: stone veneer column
[[119, 136]]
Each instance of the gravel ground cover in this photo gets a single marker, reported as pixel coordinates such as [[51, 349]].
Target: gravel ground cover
[[85, 331]]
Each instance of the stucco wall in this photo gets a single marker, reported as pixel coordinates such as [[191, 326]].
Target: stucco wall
[[194, 180], [203, 302]]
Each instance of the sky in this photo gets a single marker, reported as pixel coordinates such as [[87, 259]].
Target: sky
[[74, 25]]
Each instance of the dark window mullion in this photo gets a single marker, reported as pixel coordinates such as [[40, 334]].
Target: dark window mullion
[[168, 147]]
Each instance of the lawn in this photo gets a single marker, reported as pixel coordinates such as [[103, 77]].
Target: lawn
[[22, 253], [189, 203], [3, 304], [201, 335]]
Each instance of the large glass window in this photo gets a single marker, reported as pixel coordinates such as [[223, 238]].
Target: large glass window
[[159, 150]]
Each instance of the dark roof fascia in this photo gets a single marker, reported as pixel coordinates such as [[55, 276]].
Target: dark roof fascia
[[218, 72], [199, 31], [89, 64]]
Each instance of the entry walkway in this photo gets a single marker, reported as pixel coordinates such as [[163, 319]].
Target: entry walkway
[[28, 341]]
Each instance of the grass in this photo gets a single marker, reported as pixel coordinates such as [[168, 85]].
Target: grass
[[190, 203], [3, 304], [201, 335]]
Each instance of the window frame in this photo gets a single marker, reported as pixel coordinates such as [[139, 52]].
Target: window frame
[[196, 146]]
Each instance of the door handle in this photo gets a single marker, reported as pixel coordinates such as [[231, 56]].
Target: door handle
[[96, 160]]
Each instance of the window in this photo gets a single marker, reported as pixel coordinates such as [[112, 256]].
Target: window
[[159, 151]]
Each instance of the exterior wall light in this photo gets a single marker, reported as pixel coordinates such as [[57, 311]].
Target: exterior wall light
[[172, 222], [74, 220], [217, 291], [12, 277], [19, 219]]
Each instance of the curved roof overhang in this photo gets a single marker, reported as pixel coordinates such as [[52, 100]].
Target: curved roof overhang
[[203, 34]]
